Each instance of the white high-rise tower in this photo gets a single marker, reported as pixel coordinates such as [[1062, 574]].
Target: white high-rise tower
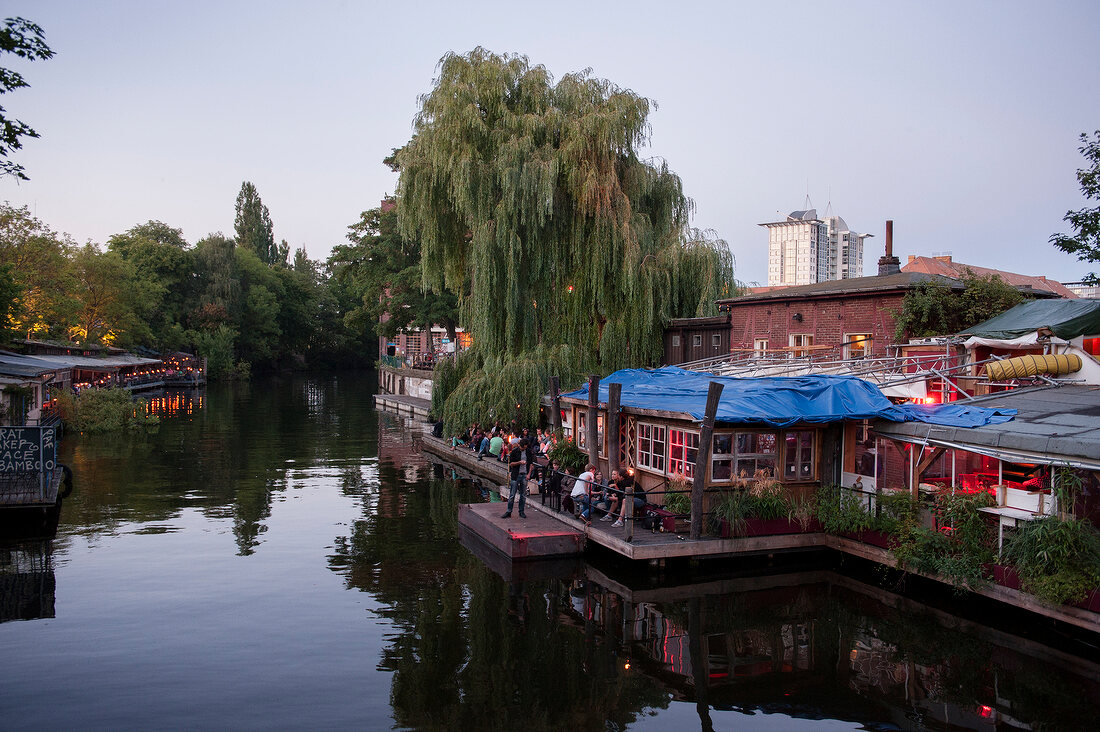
[[805, 249]]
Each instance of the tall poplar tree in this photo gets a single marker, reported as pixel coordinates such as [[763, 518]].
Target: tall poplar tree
[[529, 198], [253, 225]]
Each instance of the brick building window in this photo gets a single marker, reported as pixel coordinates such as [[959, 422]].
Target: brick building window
[[857, 345], [760, 345], [800, 341]]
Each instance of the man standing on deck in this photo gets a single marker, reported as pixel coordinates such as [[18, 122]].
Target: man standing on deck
[[518, 482]]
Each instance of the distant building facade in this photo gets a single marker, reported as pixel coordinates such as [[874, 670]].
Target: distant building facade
[[944, 265], [804, 249], [1080, 289]]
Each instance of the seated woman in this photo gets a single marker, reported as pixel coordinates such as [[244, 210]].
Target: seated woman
[[639, 498]]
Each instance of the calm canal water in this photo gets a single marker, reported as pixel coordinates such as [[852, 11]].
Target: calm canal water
[[281, 555]]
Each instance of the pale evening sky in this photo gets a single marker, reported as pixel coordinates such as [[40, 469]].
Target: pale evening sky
[[958, 120]]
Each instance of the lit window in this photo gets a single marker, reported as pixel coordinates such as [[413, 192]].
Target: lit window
[[683, 449], [582, 431], [857, 345]]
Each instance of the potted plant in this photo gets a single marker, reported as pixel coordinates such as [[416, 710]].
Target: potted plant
[[678, 500], [841, 512], [1058, 561], [761, 506]]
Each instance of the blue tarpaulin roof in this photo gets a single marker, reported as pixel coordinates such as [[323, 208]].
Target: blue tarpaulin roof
[[780, 401]]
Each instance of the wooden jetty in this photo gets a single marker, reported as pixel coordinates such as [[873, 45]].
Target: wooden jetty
[[32, 483], [404, 404], [536, 536], [647, 545], [24, 490]]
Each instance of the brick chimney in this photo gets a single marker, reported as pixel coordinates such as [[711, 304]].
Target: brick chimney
[[889, 264]]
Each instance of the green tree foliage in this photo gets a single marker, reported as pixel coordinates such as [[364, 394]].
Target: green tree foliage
[[218, 347], [26, 40], [37, 258], [253, 226], [10, 293], [382, 268], [532, 205], [109, 297], [163, 265], [935, 308], [219, 285], [1085, 243], [150, 288]]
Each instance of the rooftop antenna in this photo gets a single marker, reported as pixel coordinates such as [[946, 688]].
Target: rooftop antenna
[[808, 205]]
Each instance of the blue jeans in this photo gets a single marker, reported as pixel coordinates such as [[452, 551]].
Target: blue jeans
[[518, 485], [593, 499]]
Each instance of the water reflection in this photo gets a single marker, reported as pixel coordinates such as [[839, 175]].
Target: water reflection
[[230, 461], [820, 645], [27, 583], [479, 638], [173, 403], [287, 550]]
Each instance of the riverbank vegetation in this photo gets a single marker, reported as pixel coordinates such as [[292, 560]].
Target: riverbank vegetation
[[242, 302], [103, 410], [1057, 558]]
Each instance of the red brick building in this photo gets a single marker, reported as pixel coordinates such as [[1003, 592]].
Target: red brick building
[[852, 318]]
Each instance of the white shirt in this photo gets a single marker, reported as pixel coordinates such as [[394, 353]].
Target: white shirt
[[584, 480]]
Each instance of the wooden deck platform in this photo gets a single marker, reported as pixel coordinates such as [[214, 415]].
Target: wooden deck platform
[[645, 544], [648, 545], [403, 404], [537, 536], [24, 490]]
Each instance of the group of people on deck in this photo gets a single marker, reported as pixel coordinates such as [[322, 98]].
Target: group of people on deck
[[590, 491], [521, 449]]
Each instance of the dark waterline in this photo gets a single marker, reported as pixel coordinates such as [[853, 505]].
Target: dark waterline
[[281, 555]]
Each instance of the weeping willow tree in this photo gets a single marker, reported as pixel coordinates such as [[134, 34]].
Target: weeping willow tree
[[530, 199]]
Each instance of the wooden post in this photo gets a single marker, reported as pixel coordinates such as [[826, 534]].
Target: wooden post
[[593, 408], [702, 459], [626, 513], [696, 641], [614, 395], [555, 404]]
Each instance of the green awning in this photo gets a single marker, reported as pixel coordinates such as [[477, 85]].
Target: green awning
[[1066, 318]]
